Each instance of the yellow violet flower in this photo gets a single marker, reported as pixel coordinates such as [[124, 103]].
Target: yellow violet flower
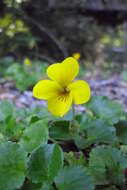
[[60, 91], [76, 56], [27, 62]]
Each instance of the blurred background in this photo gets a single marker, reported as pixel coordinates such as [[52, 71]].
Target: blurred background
[[34, 34]]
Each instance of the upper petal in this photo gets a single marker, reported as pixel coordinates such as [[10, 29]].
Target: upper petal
[[64, 72], [80, 91], [45, 89], [59, 105]]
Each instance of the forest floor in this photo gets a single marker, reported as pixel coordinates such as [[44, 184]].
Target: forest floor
[[113, 87]]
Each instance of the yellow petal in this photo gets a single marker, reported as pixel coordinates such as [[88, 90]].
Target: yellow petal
[[45, 89], [80, 91], [64, 72], [59, 105]]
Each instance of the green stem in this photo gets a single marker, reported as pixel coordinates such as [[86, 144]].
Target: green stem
[[53, 140], [73, 118], [73, 113]]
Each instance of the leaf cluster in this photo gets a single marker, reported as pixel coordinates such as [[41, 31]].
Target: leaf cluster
[[40, 152], [24, 77]]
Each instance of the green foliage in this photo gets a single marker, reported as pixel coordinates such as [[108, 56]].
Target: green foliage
[[21, 76], [95, 131], [39, 152], [25, 77], [12, 166], [10, 128], [99, 131], [107, 165], [5, 62], [34, 135], [108, 110], [6, 110], [8, 123], [74, 159], [60, 130], [121, 130], [73, 178], [45, 163]]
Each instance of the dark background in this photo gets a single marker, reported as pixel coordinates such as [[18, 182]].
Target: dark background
[[36, 33], [54, 29]]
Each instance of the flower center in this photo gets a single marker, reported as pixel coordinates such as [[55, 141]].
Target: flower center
[[65, 91], [63, 95]]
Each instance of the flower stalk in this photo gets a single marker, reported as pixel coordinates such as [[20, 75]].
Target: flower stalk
[[73, 113]]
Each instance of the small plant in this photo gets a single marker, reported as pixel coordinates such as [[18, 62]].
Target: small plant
[[81, 151], [27, 74]]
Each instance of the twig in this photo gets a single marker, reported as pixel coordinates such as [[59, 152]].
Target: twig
[[49, 34], [44, 58]]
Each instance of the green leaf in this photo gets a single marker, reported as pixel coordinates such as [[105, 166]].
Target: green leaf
[[45, 163], [107, 165], [11, 128], [84, 120], [100, 131], [12, 166], [60, 130], [81, 141], [6, 110], [19, 74], [33, 118], [105, 109], [96, 131], [73, 178], [35, 135], [121, 131]]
